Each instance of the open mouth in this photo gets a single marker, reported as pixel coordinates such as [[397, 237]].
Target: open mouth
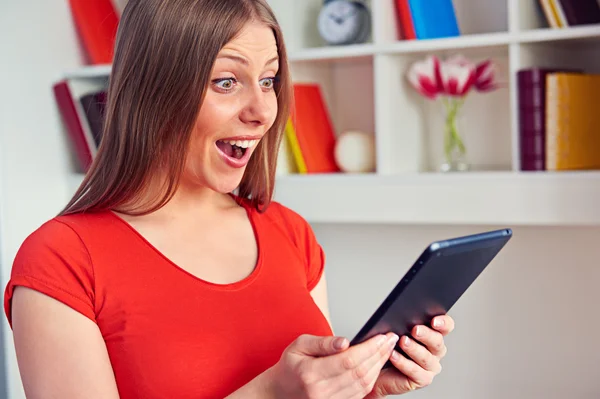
[[235, 149]]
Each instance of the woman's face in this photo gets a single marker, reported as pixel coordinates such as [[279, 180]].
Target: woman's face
[[239, 108]]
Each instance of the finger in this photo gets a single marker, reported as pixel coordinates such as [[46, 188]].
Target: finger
[[354, 356], [312, 345], [420, 355], [417, 377], [362, 379], [433, 340], [444, 324]]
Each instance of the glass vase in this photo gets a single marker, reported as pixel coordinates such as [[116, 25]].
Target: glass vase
[[455, 152]]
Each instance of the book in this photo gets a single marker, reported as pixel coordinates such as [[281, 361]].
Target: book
[[68, 94], [96, 23], [434, 18], [313, 129], [294, 147], [406, 28], [572, 120], [93, 105], [551, 14], [580, 12], [531, 104]]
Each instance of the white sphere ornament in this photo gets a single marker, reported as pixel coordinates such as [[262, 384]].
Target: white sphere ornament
[[355, 152]]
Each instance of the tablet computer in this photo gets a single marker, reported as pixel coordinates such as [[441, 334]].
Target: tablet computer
[[437, 279]]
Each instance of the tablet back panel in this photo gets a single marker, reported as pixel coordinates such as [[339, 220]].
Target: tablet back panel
[[438, 278]]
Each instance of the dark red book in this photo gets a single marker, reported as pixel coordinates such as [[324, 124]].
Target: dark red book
[[67, 107], [581, 12]]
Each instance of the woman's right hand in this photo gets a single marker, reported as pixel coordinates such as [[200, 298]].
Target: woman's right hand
[[314, 367]]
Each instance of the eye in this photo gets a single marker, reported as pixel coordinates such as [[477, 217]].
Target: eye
[[224, 84], [267, 83]]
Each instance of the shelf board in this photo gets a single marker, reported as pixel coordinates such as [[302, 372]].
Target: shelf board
[[577, 33], [483, 41], [470, 198], [333, 53], [474, 198], [88, 71], [480, 41]]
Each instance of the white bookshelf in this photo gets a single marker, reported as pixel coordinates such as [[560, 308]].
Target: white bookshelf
[[366, 89]]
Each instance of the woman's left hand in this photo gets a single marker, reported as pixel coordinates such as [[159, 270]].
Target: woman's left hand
[[419, 372]]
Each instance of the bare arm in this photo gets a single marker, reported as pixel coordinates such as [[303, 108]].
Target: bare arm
[[60, 352]]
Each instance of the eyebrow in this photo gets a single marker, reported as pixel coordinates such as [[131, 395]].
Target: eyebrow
[[243, 60]]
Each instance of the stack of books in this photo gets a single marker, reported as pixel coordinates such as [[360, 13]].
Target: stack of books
[[559, 119]]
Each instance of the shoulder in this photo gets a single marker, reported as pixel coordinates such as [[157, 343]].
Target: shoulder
[[54, 233], [55, 241], [60, 231], [295, 227], [54, 260], [59, 241], [290, 221]]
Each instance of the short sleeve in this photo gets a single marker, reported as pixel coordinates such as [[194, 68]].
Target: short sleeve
[[54, 261], [306, 241], [315, 256]]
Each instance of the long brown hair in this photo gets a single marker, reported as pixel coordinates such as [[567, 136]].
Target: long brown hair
[[164, 54]]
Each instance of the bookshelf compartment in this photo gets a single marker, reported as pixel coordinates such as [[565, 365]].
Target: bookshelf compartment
[[299, 22], [411, 127], [530, 15], [348, 90], [533, 15], [473, 17], [584, 55], [560, 145]]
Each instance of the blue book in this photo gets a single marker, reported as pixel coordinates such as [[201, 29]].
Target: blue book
[[434, 18]]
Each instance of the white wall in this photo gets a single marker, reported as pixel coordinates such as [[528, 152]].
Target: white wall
[[528, 328], [37, 43]]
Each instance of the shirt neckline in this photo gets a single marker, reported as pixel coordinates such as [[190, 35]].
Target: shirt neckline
[[234, 286]]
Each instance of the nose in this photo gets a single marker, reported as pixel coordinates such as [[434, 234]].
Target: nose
[[257, 110]]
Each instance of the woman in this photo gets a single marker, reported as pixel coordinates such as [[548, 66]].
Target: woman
[[156, 281]]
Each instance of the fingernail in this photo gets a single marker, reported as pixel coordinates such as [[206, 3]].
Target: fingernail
[[418, 331], [339, 343], [395, 356], [406, 341], [393, 339], [438, 322]]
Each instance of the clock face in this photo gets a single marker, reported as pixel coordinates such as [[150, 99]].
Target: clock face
[[342, 21]]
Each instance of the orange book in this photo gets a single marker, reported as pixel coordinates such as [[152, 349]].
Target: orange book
[[314, 130], [572, 121]]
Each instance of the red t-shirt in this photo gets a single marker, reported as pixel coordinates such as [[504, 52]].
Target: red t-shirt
[[170, 334]]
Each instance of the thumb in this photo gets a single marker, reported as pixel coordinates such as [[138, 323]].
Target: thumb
[[312, 345]]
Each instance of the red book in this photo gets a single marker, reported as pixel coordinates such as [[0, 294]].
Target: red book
[[96, 22], [406, 28], [314, 129]]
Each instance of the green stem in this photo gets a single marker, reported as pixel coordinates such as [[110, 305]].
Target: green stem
[[452, 137]]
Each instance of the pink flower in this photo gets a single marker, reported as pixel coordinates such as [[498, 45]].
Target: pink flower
[[454, 77], [457, 76], [485, 76], [424, 76]]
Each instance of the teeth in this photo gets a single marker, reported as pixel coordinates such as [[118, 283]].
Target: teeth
[[241, 143]]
